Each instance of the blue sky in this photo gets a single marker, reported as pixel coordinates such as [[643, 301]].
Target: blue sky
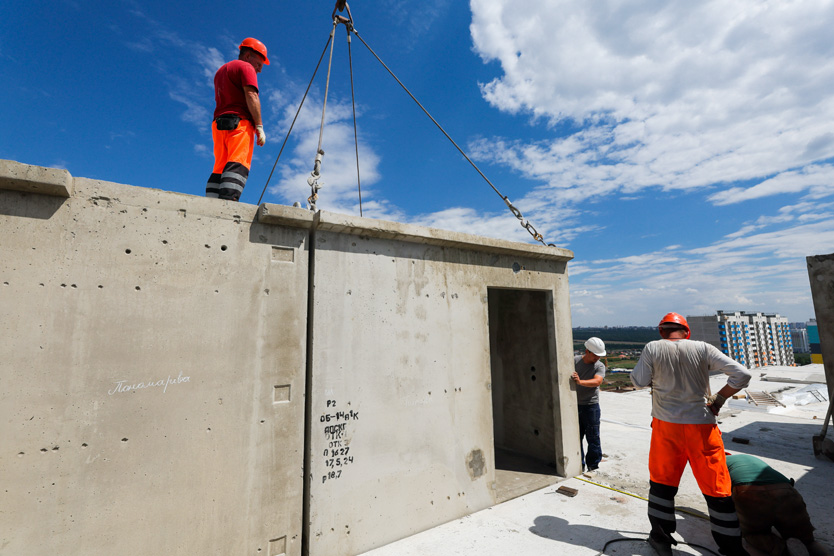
[[683, 150]]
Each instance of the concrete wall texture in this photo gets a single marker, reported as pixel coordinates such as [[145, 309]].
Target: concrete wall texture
[[821, 276], [182, 375]]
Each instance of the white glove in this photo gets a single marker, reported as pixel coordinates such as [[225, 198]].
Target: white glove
[[259, 129], [715, 402]]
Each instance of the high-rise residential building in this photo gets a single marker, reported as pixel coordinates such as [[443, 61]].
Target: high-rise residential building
[[814, 341], [752, 339], [799, 337]]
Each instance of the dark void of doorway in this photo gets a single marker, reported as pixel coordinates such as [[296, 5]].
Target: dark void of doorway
[[522, 362]]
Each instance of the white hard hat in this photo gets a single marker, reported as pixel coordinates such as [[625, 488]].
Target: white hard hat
[[595, 346]]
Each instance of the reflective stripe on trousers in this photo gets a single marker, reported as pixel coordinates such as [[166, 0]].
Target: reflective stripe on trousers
[[232, 159]]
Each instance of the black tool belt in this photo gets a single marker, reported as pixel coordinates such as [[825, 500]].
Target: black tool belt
[[227, 122]]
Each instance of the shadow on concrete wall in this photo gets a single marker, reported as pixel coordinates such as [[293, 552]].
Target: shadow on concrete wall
[[439, 253], [28, 205]]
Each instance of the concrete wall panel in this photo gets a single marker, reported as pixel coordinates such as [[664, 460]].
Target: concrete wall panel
[[821, 275], [401, 432], [160, 393], [151, 375]]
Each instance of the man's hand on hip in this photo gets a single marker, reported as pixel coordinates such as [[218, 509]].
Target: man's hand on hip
[[259, 129], [715, 402]]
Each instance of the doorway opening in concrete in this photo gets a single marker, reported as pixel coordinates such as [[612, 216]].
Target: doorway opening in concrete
[[523, 415]]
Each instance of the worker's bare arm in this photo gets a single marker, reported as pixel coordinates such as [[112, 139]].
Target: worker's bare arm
[[590, 383], [253, 103]]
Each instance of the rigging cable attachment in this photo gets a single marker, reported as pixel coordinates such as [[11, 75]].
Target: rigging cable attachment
[[342, 5], [313, 182], [297, 112], [524, 223]]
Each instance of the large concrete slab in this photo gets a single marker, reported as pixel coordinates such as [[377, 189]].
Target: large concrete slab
[[152, 356], [405, 361], [184, 375]]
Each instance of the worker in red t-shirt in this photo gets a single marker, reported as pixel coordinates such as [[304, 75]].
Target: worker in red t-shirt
[[237, 119]]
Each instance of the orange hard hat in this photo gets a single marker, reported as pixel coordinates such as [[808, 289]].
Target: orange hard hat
[[674, 318], [257, 46]]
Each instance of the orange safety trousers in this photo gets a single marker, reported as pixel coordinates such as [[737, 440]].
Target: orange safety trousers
[[673, 445], [232, 159]]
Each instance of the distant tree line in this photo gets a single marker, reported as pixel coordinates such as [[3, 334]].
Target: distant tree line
[[611, 336]]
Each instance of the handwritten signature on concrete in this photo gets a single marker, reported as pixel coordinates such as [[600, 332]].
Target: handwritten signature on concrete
[[123, 386]]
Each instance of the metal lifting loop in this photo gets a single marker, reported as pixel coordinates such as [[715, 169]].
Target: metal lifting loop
[[341, 5]]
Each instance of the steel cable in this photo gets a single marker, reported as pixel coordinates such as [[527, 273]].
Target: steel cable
[[329, 38], [355, 135], [517, 213]]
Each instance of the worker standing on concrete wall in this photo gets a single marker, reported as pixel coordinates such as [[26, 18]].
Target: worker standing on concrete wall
[[684, 430], [588, 374], [237, 119], [764, 499]]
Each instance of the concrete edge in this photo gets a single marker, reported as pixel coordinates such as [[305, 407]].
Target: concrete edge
[[354, 225], [17, 176], [282, 215], [99, 191], [56, 182]]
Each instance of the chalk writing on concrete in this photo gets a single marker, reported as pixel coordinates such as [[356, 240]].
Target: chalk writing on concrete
[[337, 453], [125, 386]]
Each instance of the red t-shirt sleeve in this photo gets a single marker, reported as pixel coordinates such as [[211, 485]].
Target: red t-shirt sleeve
[[248, 76]]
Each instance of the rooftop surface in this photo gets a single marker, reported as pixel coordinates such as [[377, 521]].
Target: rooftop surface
[[609, 506]]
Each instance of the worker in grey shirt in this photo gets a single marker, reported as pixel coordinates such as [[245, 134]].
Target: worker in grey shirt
[[588, 374], [684, 430]]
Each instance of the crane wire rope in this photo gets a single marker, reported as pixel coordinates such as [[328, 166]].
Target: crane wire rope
[[315, 174], [524, 223], [313, 180], [349, 27], [329, 38]]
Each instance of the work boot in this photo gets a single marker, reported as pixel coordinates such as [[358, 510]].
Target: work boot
[[816, 549], [662, 547]]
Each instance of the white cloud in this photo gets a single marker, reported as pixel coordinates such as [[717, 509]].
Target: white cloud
[[748, 270], [210, 59], [195, 112], [416, 19], [340, 190], [192, 83], [679, 95]]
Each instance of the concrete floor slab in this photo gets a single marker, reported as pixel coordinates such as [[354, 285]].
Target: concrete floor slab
[[545, 522]]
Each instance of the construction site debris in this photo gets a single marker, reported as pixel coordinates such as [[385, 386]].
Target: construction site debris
[[567, 491]]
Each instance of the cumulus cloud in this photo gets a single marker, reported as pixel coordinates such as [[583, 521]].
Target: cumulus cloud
[[757, 268], [680, 95], [727, 102], [340, 191]]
